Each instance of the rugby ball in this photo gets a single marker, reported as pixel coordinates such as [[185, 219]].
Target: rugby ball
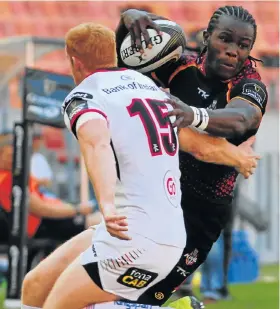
[[166, 47]]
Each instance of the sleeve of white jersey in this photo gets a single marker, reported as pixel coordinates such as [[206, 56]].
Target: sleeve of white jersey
[[80, 107]]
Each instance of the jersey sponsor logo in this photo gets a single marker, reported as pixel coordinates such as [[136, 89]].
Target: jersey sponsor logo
[[75, 107], [130, 86], [254, 91], [127, 77], [78, 95], [191, 258], [202, 93], [137, 278], [171, 188]]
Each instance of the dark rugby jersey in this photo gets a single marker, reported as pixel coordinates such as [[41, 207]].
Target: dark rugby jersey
[[186, 79]]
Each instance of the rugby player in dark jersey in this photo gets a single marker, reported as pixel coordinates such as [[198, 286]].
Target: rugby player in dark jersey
[[225, 97]]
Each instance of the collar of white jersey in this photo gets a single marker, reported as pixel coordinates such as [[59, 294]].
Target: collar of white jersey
[[107, 70]]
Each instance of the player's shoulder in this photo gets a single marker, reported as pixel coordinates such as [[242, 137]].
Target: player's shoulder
[[81, 91]]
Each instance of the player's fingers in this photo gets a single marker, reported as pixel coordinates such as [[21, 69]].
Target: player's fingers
[[175, 112], [137, 32], [146, 35], [257, 157], [252, 171], [132, 35], [116, 227], [154, 26], [179, 123], [114, 218], [123, 223], [118, 234], [250, 141]]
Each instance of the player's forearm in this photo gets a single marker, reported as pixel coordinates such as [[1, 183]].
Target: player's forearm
[[210, 149], [101, 167], [46, 209], [231, 122], [223, 153]]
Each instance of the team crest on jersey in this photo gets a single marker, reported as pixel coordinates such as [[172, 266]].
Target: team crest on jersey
[[213, 105], [191, 258]]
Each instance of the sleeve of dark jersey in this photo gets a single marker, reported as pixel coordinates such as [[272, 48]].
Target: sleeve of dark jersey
[[78, 111], [253, 91]]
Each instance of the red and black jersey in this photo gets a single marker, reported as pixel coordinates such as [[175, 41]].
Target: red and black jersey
[[187, 80]]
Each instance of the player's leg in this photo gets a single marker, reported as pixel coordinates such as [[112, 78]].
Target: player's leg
[[38, 282], [121, 269], [76, 282]]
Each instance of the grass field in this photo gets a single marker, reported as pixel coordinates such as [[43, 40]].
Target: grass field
[[263, 294]]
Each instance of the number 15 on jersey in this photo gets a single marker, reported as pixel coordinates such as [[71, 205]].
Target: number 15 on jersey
[[161, 136]]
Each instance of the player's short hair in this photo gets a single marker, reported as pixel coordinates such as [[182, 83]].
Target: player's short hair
[[93, 44]]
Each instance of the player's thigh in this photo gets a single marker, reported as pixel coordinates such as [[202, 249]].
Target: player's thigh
[[52, 266], [75, 281], [129, 271]]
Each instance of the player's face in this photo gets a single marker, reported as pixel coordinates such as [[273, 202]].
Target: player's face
[[6, 157], [229, 46]]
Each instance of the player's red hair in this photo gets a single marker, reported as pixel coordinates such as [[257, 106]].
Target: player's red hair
[[93, 44]]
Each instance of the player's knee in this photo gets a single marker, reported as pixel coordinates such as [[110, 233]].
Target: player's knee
[[30, 284]]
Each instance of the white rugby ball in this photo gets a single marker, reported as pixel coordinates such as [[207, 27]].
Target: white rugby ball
[[166, 47]]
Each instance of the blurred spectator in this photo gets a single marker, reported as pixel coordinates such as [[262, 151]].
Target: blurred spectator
[[39, 167], [48, 218]]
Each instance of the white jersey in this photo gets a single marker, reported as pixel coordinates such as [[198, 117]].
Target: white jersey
[[145, 147]]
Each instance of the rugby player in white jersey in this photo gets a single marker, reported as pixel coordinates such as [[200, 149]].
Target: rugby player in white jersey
[[130, 151]]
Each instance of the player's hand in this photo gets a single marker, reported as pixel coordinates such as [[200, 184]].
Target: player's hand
[[250, 158], [116, 224], [182, 111], [137, 22]]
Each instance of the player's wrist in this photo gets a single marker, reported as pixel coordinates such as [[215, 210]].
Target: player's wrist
[[200, 118]]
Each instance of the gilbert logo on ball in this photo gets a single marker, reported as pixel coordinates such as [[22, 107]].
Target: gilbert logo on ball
[[165, 47]]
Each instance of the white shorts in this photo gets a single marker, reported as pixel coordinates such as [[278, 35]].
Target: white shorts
[[128, 268]]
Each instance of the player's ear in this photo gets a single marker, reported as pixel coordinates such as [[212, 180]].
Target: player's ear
[[77, 63], [206, 36]]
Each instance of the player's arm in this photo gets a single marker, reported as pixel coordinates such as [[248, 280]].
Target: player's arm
[[99, 159], [218, 150], [87, 120], [242, 115]]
